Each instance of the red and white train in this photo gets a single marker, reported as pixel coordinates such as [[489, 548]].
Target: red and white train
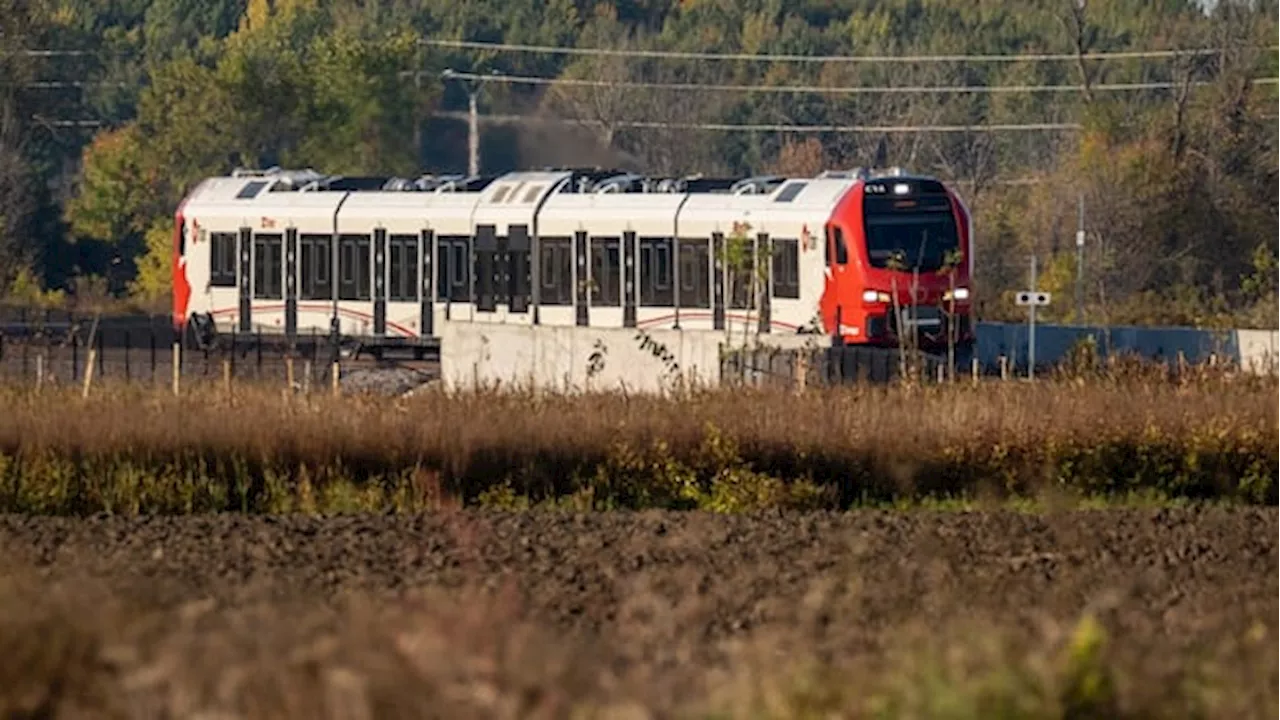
[[388, 260]]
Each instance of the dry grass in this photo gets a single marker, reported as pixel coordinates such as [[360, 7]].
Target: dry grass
[[129, 448], [73, 651]]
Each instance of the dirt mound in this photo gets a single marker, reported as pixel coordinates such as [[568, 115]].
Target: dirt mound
[[668, 609]]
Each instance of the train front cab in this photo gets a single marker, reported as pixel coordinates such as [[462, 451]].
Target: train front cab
[[880, 235]]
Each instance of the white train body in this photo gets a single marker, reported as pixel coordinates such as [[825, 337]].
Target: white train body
[[257, 253]]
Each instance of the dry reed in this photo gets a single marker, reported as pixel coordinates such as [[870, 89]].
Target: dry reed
[[1213, 440]]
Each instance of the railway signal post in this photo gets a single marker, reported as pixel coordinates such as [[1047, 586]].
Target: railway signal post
[[1032, 300]]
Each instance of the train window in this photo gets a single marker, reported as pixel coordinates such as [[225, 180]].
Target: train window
[[836, 243], [790, 191], [403, 272], [316, 257], [695, 274], [251, 190], [222, 259], [786, 268], [486, 289], [655, 272], [519, 269], [501, 194], [555, 270], [268, 266], [533, 193], [354, 267], [606, 272], [742, 280], [453, 267]]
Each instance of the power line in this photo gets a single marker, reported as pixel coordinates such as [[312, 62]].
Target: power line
[[60, 53], [732, 127], [874, 89], [54, 84], [684, 55]]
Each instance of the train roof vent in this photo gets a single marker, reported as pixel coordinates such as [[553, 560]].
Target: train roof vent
[[622, 182], [759, 185], [284, 179], [857, 173], [474, 183]]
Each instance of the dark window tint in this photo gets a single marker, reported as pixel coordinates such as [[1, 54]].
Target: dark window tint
[[606, 271], [453, 267], [222, 259], [695, 274], [268, 267], [786, 268], [918, 240], [403, 270], [315, 261], [355, 272], [657, 272], [250, 190], [835, 241], [790, 191], [743, 283], [555, 269]]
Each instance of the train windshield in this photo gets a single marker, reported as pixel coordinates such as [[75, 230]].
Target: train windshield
[[919, 232]]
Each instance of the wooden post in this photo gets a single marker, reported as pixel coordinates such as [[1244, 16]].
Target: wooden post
[[1004, 368], [333, 377], [226, 376], [39, 371], [941, 374], [177, 365], [973, 369], [306, 377], [288, 371], [88, 372]]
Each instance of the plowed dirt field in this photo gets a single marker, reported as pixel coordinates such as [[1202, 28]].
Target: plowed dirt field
[[636, 615]]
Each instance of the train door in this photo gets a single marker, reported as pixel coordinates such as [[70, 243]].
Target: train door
[[426, 273], [355, 282], [245, 295]]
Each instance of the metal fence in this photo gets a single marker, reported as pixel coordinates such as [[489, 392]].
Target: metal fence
[[58, 347], [828, 366]]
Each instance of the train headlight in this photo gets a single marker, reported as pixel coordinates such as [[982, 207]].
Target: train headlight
[[959, 294], [901, 189], [875, 296]]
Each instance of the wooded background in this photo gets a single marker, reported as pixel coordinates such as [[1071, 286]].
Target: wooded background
[[111, 109]]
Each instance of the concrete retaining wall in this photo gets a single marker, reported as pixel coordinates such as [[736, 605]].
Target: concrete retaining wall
[[577, 358]]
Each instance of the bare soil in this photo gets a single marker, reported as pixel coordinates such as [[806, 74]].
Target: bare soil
[[528, 614]]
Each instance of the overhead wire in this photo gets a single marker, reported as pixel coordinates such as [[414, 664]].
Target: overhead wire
[[781, 57], [822, 89], [760, 127]]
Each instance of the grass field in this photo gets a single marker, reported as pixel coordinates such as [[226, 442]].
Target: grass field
[[127, 449], [164, 557]]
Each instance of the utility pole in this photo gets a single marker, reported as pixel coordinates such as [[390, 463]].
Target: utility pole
[[473, 85], [1080, 262], [473, 132], [417, 106]]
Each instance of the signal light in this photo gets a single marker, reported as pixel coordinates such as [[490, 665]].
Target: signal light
[[875, 296]]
